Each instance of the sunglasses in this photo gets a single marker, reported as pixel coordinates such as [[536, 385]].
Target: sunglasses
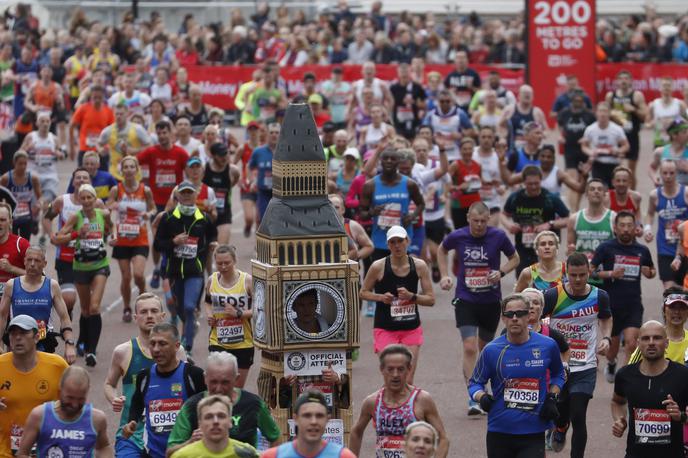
[[515, 313]]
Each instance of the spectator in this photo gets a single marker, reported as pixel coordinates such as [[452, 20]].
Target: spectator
[[383, 51], [241, 50], [360, 50]]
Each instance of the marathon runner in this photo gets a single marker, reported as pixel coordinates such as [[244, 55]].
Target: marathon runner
[[620, 197], [90, 228], [101, 180], [12, 248], [216, 417], [165, 163], [393, 283], [243, 156], [228, 296], [69, 426], [260, 167], [122, 138], [670, 202], [478, 248], [90, 119], [132, 202], [310, 421], [26, 189], [249, 412], [529, 211], [605, 144], [621, 262], [161, 390], [547, 272], [578, 310], [526, 153], [36, 295], [128, 359], [184, 236], [30, 378], [221, 177], [360, 246], [676, 149], [656, 393], [663, 111], [41, 146], [395, 406], [420, 440], [526, 374], [515, 118]]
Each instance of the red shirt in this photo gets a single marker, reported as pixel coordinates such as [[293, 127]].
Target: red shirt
[[468, 173], [166, 170], [13, 250]]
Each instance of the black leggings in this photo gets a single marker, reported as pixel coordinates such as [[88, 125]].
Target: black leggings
[[500, 445], [574, 410]]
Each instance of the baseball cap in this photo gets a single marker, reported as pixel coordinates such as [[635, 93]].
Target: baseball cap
[[396, 232], [186, 185], [193, 160], [218, 149], [676, 125], [25, 322], [353, 152], [329, 126], [315, 98], [253, 125], [676, 298], [310, 396]]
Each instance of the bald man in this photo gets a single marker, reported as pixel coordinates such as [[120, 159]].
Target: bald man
[[655, 391], [69, 426]]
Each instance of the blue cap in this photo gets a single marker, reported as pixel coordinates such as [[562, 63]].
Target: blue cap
[[193, 160]]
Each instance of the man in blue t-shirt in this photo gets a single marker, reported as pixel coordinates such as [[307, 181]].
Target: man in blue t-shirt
[[523, 402], [260, 166], [101, 180], [478, 249]]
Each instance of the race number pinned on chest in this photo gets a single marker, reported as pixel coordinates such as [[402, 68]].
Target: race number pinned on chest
[[402, 310], [476, 278], [390, 447], [230, 330], [528, 236], [162, 414], [652, 426], [390, 215], [579, 352], [189, 250], [630, 264], [522, 393], [129, 227], [166, 178]]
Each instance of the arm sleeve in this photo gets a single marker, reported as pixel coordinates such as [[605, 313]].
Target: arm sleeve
[[603, 303], [137, 406], [560, 207], [559, 338], [556, 368], [163, 237], [182, 428], [550, 301], [481, 374], [266, 423]]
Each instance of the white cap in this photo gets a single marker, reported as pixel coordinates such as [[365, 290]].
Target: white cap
[[353, 152], [396, 232]]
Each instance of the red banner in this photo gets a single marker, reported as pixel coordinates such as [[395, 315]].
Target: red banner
[[561, 41], [220, 84], [646, 78]]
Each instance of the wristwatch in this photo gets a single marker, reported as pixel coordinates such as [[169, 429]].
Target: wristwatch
[[239, 313], [69, 342]]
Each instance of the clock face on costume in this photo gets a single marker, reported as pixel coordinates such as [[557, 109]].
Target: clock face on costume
[[259, 303], [314, 311]]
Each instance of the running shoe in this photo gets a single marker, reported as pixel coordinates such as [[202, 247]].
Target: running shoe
[[610, 372], [247, 231], [558, 439], [548, 440], [155, 279], [42, 242], [474, 409], [91, 360], [80, 349]]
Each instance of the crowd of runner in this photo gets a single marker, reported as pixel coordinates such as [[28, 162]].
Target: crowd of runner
[[434, 177]]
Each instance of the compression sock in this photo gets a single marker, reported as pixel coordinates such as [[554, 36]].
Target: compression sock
[[95, 324], [83, 329]]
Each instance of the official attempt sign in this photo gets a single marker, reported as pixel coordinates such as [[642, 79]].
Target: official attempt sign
[[561, 42]]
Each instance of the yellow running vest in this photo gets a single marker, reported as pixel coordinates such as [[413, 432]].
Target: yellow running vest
[[230, 333]]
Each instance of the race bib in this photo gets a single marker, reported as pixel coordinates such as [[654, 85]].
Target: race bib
[[230, 330], [528, 236], [579, 352], [402, 310], [390, 447], [630, 264], [221, 199], [45, 157], [652, 426], [671, 231], [476, 278], [22, 210], [165, 179], [92, 140], [267, 179], [404, 114], [16, 433], [162, 414], [91, 244], [129, 227], [474, 184], [189, 250], [390, 216], [522, 393]]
